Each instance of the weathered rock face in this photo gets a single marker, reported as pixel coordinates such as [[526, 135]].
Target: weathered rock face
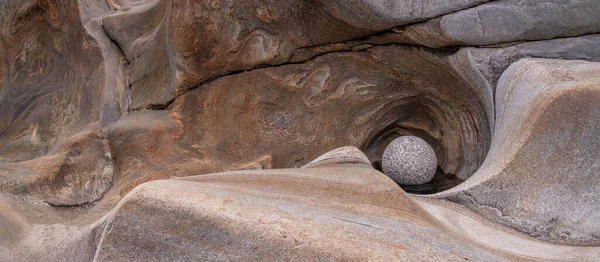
[[238, 121], [175, 45], [58, 91], [540, 173], [98, 97], [54, 82], [78, 172]]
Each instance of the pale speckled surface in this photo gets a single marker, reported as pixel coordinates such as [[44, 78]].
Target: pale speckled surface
[[409, 160]]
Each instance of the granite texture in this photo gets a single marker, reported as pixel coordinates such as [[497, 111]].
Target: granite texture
[[409, 160]]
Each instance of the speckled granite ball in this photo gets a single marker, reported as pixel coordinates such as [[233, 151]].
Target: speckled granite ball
[[409, 160]]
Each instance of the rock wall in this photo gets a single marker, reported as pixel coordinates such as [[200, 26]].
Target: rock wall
[[100, 96]]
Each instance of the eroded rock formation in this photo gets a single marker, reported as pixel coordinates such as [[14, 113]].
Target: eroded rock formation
[[226, 108]]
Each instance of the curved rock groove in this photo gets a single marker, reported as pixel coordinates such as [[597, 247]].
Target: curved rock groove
[[249, 130]]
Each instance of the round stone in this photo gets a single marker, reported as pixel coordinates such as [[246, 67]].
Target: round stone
[[409, 160]]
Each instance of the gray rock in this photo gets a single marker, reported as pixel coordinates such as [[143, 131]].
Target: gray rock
[[492, 61], [506, 21], [483, 66], [540, 175], [380, 15], [515, 20], [409, 160]]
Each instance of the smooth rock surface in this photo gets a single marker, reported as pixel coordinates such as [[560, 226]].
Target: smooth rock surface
[[491, 62], [483, 66], [99, 97], [317, 213], [540, 176], [324, 211], [505, 21], [409, 160]]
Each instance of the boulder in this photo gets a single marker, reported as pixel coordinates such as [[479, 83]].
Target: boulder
[[409, 160]]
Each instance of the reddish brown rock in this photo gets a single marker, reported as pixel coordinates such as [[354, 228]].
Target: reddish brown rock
[[241, 121], [55, 81], [78, 172], [176, 45]]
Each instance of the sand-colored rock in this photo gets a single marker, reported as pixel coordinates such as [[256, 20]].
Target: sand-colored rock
[[316, 213]]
